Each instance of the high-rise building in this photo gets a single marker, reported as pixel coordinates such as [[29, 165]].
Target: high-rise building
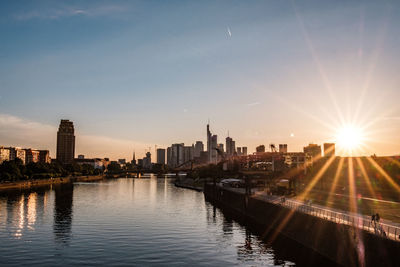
[[214, 153], [188, 152], [161, 156], [147, 161], [244, 151], [283, 148], [175, 155], [198, 148], [65, 142], [329, 149], [313, 150], [239, 151], [230, 147], [209, 148]]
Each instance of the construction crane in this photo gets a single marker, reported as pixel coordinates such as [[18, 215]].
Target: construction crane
[[273, 148]]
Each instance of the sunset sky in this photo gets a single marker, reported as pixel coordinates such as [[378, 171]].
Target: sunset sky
[[134, 74]]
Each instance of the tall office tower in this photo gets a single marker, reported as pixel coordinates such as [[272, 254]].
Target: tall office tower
[[230, 147], [188, 152], [198, 148], [214, 153], [177, 155], [329, 149], [161, 156], [147, 161], [209, 149], [66, 142], [133, 161], [169, 156], [283, 148], [239, 151], [244, 151]]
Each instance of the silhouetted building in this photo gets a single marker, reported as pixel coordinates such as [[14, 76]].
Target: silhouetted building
[[17, 152], [283, 148], [209, 145], [4, 154], [147, 161], [44, 156], [188, 153], [81, 156], [239, 151], [198, 148], [31, 155], [230, 147], [329, 149], [65, 142], [214, 145], [260, 149], [244, 151], [313, 150], [122, 161], [161, 156]]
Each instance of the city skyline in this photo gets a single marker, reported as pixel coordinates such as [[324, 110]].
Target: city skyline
[[136, 74]]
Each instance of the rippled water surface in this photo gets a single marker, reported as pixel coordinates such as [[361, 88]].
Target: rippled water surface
[[123, 222]]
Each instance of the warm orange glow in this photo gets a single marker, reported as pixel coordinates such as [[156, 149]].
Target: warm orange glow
[[350, 139]]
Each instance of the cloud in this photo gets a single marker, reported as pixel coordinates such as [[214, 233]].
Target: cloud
[[53, 13], [15, 131], [253, 104]]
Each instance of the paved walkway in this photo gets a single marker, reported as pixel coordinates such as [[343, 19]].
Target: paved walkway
[[384, 227]]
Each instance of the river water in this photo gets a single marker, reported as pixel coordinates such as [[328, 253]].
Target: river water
[[141, 222]]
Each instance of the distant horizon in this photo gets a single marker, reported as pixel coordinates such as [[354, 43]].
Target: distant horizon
[[132, 75]]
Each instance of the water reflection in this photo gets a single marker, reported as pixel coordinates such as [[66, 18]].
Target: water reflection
[[63, 212]]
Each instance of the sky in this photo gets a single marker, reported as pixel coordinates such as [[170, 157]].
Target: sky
[[135, 74]]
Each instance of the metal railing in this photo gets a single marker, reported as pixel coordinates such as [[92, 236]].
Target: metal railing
[[378, 228]]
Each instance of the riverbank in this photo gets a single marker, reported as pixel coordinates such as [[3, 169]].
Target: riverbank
[[187, 186], [341, 243], [20, 185]]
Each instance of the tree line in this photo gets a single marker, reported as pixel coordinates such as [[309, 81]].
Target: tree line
[[15, 170]]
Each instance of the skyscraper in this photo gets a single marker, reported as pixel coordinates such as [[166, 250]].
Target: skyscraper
[[209, 149], [66, 142], [198, 148], [213, 151], [161, 156], [283, 148]]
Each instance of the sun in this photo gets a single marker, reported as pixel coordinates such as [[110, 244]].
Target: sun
[[349, 139]]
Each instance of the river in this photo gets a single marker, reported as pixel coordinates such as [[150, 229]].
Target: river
[[126, 221]]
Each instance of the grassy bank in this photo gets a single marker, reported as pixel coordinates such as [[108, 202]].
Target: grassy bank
[[43, 182]]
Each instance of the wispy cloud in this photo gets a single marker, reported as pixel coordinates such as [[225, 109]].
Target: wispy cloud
[[253, 104], [16, 131], [53, 13]]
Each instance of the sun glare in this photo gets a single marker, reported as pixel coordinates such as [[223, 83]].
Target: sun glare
[[349, 139]]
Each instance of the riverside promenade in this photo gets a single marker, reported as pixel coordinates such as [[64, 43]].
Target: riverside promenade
[[345, 238], [384, 228]]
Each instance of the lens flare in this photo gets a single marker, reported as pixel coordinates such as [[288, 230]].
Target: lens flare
[[349, 139]]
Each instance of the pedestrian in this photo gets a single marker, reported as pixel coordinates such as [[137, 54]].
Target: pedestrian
[[377, 218], [373, 218]]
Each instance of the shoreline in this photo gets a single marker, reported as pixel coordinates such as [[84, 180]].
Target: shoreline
[[22, 185], [185, 186]]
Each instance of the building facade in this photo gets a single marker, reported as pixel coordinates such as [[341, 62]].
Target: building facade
[[4, 154], [329, 149], [161, 156], [65, 142], [313, 150], [198, 148]]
